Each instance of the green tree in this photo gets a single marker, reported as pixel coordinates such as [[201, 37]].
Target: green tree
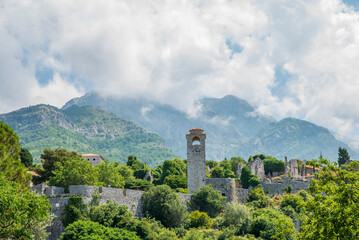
[[125, 171], [271, 224], [108, 175], [199, 219], [334, 209], [343, 156], [245, 176], [138, 184], [272, 164], [86, 230], [234, 162], [133, 162], [75, 209], [51, 158], [76, 171], [176, 181], [26, 157], [23, 214], [238, 216], [111, 215], [164, 204], [10, 163], [257, 198], [217, 172], [208, 200], [173, 167], [254, 181]]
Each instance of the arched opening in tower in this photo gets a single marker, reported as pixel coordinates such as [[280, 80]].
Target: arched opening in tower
[[196, 141]]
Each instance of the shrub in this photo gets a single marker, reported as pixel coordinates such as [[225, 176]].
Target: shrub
[[90, 230], [199, 219], [257, 198], [237, 215], [295, 201], [208, 200], [74, 210], [176, 181], [164, 204], [254, 181], [271, 224], [111, 215], [304, 194]]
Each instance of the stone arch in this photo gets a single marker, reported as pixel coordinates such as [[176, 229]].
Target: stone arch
[[196, 141]]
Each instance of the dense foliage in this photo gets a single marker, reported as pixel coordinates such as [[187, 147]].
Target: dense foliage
[[10, 163], [208, 200], [165, 205], [343, 156]]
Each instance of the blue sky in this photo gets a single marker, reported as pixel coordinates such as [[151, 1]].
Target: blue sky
[[290, 58]]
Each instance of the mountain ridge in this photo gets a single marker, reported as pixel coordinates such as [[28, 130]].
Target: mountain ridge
[[85, 129]]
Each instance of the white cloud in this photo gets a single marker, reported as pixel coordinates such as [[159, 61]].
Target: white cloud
[[176, 52]]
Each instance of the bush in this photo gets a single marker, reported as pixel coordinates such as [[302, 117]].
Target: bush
[[288, 189], [176, 181], [111, 215], [74, 210], [108, 175], [138, 184], [271, 224], [237, 215], [199, 219], [304, 194], [208, 200], [164, 204], [295, 201], [254, 181], [90, 230], [257, 198]]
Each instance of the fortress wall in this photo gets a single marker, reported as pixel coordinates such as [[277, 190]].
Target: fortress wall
[[83, 190], [277, 188], [225, 185], [241, 194]]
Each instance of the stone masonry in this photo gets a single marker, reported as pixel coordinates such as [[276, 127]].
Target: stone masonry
[[257, 168], [196, 159]]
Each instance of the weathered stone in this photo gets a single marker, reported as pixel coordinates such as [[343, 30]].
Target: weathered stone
[[227, 187], [148, 176], [293, 168], [257, 168], [196, 159], [239, 170]]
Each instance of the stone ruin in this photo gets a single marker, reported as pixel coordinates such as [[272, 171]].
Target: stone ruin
[[257, 168], [293, 168]]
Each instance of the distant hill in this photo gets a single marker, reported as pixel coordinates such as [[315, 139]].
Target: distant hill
[[85, 130], [296, 139], [223, 120], [233, 127]]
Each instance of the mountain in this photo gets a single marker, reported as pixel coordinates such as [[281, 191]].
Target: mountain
[[85, 130], [232, 125], [296, 139], [223, 120]]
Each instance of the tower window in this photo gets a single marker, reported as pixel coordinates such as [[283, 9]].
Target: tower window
[[196, 141]]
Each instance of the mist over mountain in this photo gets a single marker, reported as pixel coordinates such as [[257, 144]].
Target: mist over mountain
[[86, 130], [233, 127]]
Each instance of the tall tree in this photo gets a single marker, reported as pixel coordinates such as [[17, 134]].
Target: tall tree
[[10, 162], [76, 171], [333, 211], [51, 157], [164, 204], [23, 215], [26, 157], [343, 156]]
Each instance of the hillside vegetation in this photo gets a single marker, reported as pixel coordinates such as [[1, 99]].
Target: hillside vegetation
[[85, 130]]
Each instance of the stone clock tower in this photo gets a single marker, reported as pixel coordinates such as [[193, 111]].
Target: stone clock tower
[[196, 159]]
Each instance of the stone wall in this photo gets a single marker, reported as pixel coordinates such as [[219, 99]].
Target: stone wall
[[83, 190], [277, 188], [241, 194], [128, 197], [225, 185]]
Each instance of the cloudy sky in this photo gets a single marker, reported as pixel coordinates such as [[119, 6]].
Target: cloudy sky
[[296, 58]]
